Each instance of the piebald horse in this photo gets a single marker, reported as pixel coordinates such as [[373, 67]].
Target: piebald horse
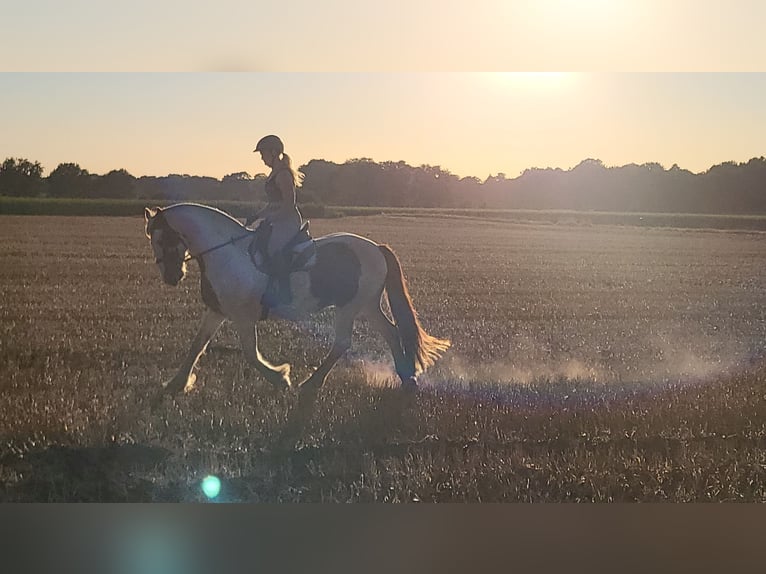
[[350, 272]]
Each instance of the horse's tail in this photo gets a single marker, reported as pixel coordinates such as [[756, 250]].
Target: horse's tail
[[418, 346]]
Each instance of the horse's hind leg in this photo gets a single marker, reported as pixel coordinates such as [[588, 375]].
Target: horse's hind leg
[[277, 375], [405, 367], [344, 325], [210, 324]]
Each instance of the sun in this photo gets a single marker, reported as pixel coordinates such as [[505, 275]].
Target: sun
[[530, 84], [532, 80]]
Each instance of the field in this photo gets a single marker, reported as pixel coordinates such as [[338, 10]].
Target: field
[[242, 209], [589, 363]]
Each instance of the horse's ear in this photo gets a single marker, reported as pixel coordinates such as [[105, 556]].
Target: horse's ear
[[150, 213]]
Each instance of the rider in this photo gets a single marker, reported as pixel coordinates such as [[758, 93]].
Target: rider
[[281, 213]]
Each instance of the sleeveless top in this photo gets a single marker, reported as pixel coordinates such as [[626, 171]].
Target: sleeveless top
[[277, 207], [273, 195]]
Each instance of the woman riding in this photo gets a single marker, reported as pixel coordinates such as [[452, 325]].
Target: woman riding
[[281, 218]]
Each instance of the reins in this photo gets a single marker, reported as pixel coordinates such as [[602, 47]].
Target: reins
[[206, 251]]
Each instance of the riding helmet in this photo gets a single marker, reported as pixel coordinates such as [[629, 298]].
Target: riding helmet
[[270, 142]]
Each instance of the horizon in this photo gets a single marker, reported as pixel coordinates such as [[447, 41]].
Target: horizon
[[476, 124], [46, 171]]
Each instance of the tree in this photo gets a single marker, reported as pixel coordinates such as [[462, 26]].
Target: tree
[[117, 184], [318, 182], [21, 177], [238, 186], [69, 180]]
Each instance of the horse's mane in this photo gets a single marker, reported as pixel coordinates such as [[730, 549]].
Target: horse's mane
[[205, 207]]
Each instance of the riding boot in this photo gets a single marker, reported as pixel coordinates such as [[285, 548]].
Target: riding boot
[[278, 287], [282, 261]]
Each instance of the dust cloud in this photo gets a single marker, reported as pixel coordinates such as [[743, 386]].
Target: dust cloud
[[659, 362]]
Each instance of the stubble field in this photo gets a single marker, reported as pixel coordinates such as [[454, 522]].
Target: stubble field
[[589, 363]]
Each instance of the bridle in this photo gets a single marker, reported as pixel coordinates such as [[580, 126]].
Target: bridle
[[231, 241], [190, 256]]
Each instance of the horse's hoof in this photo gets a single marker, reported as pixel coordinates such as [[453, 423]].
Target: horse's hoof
[[308, 386], [177, 385], [191, 384], [307, 396], [170, 388], [282, 385], [308, 390], [410, 384], [280, 379]]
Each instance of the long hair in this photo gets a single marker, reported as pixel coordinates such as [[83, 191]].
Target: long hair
[[287, 164]]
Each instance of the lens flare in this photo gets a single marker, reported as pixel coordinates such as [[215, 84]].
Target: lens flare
[[211, 486]]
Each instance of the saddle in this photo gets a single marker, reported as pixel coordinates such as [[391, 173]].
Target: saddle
[[298, 254]]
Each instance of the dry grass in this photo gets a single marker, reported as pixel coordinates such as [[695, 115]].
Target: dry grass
[[588, 364]]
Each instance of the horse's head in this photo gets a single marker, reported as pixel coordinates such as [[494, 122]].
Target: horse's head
[[169, 249]]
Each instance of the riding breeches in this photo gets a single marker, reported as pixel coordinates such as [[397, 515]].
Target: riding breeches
[[284, 226]]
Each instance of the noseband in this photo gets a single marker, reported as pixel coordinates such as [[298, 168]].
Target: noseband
[[169, 230], [169, 237]]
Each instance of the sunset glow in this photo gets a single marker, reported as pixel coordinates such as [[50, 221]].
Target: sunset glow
[[351, 84], [472, 124], [532, 81]]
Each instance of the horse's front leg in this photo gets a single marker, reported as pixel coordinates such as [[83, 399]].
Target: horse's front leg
[[277, 375], [210, 324], [344, 325]]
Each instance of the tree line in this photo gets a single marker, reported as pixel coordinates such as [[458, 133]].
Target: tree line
[[729, 187]]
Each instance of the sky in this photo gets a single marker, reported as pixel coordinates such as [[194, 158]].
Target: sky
[[472, 124], [377, 35], [175, 87]]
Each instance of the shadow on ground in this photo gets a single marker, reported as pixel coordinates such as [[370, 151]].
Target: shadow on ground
[[86, 474]]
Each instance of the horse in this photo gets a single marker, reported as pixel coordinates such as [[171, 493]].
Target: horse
[[349, 272]]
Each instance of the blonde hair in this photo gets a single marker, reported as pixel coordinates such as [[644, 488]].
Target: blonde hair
[[287, 164]]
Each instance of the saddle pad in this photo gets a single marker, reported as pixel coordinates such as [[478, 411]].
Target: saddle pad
[[304, 256]]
